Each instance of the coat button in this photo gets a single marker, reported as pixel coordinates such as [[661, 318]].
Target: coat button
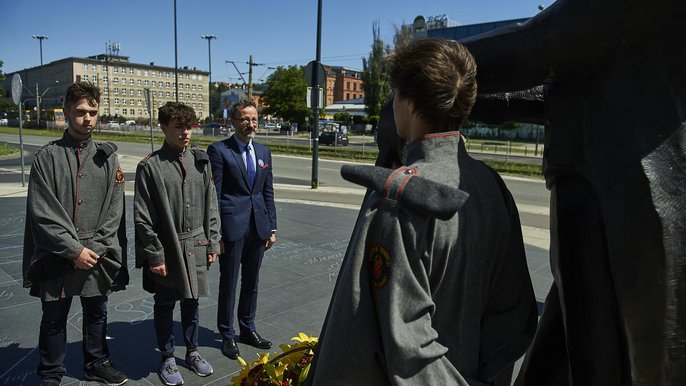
[[77, 229], [80, 202]]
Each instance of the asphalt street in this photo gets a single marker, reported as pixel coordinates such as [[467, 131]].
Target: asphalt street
[[296, 282]]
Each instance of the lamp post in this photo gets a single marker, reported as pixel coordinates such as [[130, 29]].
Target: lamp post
[[40, 43], [209, 59]]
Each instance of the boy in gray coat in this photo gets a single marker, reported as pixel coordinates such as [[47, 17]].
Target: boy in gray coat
[[177, 235], [434, 288], [75, 238]]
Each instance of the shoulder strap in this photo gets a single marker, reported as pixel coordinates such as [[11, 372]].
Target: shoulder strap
[[107, 148]]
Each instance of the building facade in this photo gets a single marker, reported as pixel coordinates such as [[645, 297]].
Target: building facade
[[343, 83], [122, 85]]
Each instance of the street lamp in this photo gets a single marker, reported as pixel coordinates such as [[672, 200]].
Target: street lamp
[[40, 42], [209, 56]]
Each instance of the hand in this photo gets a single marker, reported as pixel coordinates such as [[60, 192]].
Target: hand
[[211, 257], [269, 242], [159, 270], [86, 259]]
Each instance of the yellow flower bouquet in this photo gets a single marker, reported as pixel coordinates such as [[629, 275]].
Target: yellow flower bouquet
[[290, 368]]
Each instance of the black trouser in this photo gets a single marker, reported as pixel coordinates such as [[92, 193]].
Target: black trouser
[[52, 341], [242, 256], [164, 323]]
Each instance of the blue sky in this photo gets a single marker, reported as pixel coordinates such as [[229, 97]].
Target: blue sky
[[275, 32]]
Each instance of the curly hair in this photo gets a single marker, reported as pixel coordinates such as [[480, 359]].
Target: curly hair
[[82, 90], [178, 111], [440, 77]]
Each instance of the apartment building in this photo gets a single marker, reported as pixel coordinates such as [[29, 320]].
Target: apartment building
[[342, 83], [121, 82]]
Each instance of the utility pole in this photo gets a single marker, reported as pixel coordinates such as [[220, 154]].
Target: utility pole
[[250, 64], [176, 57], [209, 85], [40, 42], [315, 100]]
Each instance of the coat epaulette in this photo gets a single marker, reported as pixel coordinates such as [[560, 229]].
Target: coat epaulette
[[43, 147], [145, 160], [201, 156], [106, 148]]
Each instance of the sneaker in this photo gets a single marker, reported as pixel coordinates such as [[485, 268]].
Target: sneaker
[[196, 363], [50, 382], [169, 373], [105, 373]]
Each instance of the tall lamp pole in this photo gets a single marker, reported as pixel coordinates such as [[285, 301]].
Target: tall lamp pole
[[209, 59], [40, 43], [176, 57]]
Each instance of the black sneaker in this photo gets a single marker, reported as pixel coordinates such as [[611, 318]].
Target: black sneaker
[[106, 373]]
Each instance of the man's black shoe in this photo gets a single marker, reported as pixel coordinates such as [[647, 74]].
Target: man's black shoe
[[105, 373], [230, 348], [254, 339]]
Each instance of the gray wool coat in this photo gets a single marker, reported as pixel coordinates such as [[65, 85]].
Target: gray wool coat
[[75, 200], [176, 220], [434, 288]]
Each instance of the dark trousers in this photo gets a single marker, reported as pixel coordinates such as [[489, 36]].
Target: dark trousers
[[244, 256], [164, 323], [52, 341]]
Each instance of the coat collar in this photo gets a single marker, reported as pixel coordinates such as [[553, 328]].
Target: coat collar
[[433, 148]]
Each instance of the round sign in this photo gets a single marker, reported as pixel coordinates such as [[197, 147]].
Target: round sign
[[16, 89], [419, 23]]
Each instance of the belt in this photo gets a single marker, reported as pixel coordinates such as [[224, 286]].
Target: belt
[[192, 233]]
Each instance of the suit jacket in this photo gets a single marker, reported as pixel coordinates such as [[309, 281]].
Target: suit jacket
[[237, 201]]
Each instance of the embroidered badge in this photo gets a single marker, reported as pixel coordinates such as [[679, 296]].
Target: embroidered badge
[[262, 164], [379, 265], [119, 176]]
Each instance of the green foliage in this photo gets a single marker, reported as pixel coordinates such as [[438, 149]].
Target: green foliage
[[285, 94], [342, 116], [373, 120], [215, 99], [6, 103], [375, 79]]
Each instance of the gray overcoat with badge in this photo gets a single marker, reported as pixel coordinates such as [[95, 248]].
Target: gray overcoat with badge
[[176, 220], [75, 200], [434, 288]]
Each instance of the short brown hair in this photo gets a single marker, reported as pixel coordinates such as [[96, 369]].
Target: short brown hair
[[82, 90], [178, 111], [440, 77], [240, 105]]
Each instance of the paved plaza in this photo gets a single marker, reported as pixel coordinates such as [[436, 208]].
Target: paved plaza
[[296, 282]]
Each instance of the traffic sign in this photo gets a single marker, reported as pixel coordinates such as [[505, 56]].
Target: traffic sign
[[16, 89], [321, 75], [311, 95]]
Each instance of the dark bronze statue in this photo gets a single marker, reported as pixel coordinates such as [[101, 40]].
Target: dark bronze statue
[[608, 80]]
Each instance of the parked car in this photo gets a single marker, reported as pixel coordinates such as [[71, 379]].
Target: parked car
[[214, 128], [3, 122], [333, 138], [271, 126]]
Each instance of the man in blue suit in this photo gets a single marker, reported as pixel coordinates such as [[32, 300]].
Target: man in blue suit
[[242, 172]]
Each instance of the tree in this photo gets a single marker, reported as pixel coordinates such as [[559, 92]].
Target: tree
[[402, 36], [375, 79], [285, 94], [342, 116], [6, 103], [215, 99]]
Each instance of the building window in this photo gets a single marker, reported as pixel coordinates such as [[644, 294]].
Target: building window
[[354, 86], [168, 74], [347, 85], [105, 78], [154, 74], [84, 78], [138, 72], [193, 88], [132, 81], [139, 82], [154, 84], [347, 96], [116, 101], [154, 93], [95, 78], [168, 84], [146, 83], [124, 111], [123, 91], [123, 101], [199, 105], [140, 112], [139, 92], [115, 69], [145, 73], [132, 102], [107, 111], [116, 91], [168, 94]]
